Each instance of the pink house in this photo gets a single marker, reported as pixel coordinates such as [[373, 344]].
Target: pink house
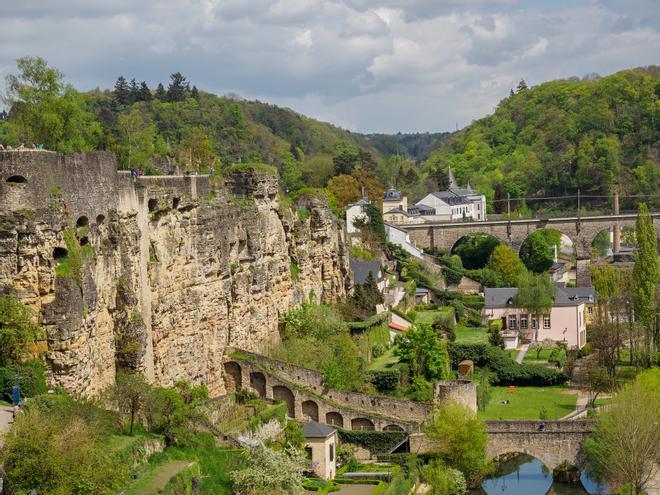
[[564, 323]]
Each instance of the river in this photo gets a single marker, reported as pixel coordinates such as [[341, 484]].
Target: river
[[525, 475]]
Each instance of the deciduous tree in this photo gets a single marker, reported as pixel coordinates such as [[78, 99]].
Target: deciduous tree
[[506, 263], [536, 294]]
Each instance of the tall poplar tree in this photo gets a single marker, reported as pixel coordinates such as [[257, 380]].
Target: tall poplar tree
[[645, 278]]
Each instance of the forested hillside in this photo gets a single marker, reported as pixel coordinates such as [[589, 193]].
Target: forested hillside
[[554, 138], [549, 140]]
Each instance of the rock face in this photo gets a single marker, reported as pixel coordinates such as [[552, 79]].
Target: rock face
[[159, 274]]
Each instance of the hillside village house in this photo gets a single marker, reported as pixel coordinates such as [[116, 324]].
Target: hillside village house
[[321, 449], [566, 321], [361, 270], [355, 211], [453, 205]]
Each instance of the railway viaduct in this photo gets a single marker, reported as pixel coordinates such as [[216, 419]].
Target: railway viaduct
[[580, 230]]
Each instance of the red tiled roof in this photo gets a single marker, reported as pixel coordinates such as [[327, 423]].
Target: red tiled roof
[[397, 327]]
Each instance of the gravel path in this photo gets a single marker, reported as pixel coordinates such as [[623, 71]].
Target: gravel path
[[521, 353], [6, 421]]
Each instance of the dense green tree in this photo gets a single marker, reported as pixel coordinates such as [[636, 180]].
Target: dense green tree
[[645, 279], [122, 92], [475, 250], [135, 146], [144, 93], [505, 262], [345, 159], [17, 331], [161, 94], [536, 294], [625, 447], [129, 395], [43, 109], [423, 352], [179, 87], [458, 438], [537, 253]]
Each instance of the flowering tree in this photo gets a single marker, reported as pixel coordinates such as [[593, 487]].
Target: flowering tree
[[270, 471]]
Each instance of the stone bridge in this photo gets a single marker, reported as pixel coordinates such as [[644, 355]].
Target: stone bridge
[[580, 230], [551, 442], [308, 398]]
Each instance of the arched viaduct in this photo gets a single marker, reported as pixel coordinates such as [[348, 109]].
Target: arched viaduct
[[580, 230]]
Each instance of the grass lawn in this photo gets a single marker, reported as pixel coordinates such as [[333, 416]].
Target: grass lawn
[[470, 335], [531, 358], [428, 316], [625, 373], [526, 403], [385, 361]]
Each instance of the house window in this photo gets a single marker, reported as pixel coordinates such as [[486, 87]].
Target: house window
[[513, 322], [332, 452], [590, 310], [308, 453], [523, 322], [535, 323], [546, 321]]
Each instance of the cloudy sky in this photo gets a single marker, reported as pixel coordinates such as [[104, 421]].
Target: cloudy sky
[[366, 65]]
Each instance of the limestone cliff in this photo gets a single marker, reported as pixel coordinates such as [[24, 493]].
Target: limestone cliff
[[159, 274]]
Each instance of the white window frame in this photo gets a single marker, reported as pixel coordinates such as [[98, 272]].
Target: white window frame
[[535, 323], [513, 322], [524, 322], [547, 322]]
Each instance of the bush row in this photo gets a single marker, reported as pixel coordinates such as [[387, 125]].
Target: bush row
[[505, 371], [377, 442]]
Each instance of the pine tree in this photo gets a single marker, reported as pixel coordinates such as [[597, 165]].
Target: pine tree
[[194, 93], [161, 94], [145, 92], [178, 87], [133, 91], [645, 277], [122, 91], [521, 85]]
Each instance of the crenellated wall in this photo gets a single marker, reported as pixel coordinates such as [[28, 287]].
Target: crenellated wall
[[171, 271]]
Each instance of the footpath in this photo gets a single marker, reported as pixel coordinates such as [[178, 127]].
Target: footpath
[[6, 421]]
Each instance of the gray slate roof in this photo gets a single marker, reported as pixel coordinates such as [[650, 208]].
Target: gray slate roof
[[503, 297], [361, 270], [317, 430]]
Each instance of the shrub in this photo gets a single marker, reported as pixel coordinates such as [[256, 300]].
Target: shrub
[[377, 442], [30, 376], [386, 381]]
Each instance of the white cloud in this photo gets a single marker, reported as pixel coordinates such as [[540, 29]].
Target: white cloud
[[369, 65]]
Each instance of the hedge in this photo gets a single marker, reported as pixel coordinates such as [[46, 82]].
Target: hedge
[[374, 321], [377, 442], [386, 380], [505, 371]]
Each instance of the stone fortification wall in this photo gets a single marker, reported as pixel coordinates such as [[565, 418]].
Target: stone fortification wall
[[165, 273], [461, 391], [403, 409]]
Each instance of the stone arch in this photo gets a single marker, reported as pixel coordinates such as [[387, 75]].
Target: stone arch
[[258, 382], [283, 393], [17, 179], [362, 424], [82, 221], [310, 409], [335, 419], [393, 428], [175, 202], [100, 219], [456, 237], [466, 236], [233, 379], [152, 204], [541, 456], [84, 241], [576, 246]]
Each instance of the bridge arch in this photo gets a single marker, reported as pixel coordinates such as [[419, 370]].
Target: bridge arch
[[280, 392], [311, 410], [335, 419], [233, 376], [541, 456], [362, 424], [393, 428], [258, 383], [456, 237]]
